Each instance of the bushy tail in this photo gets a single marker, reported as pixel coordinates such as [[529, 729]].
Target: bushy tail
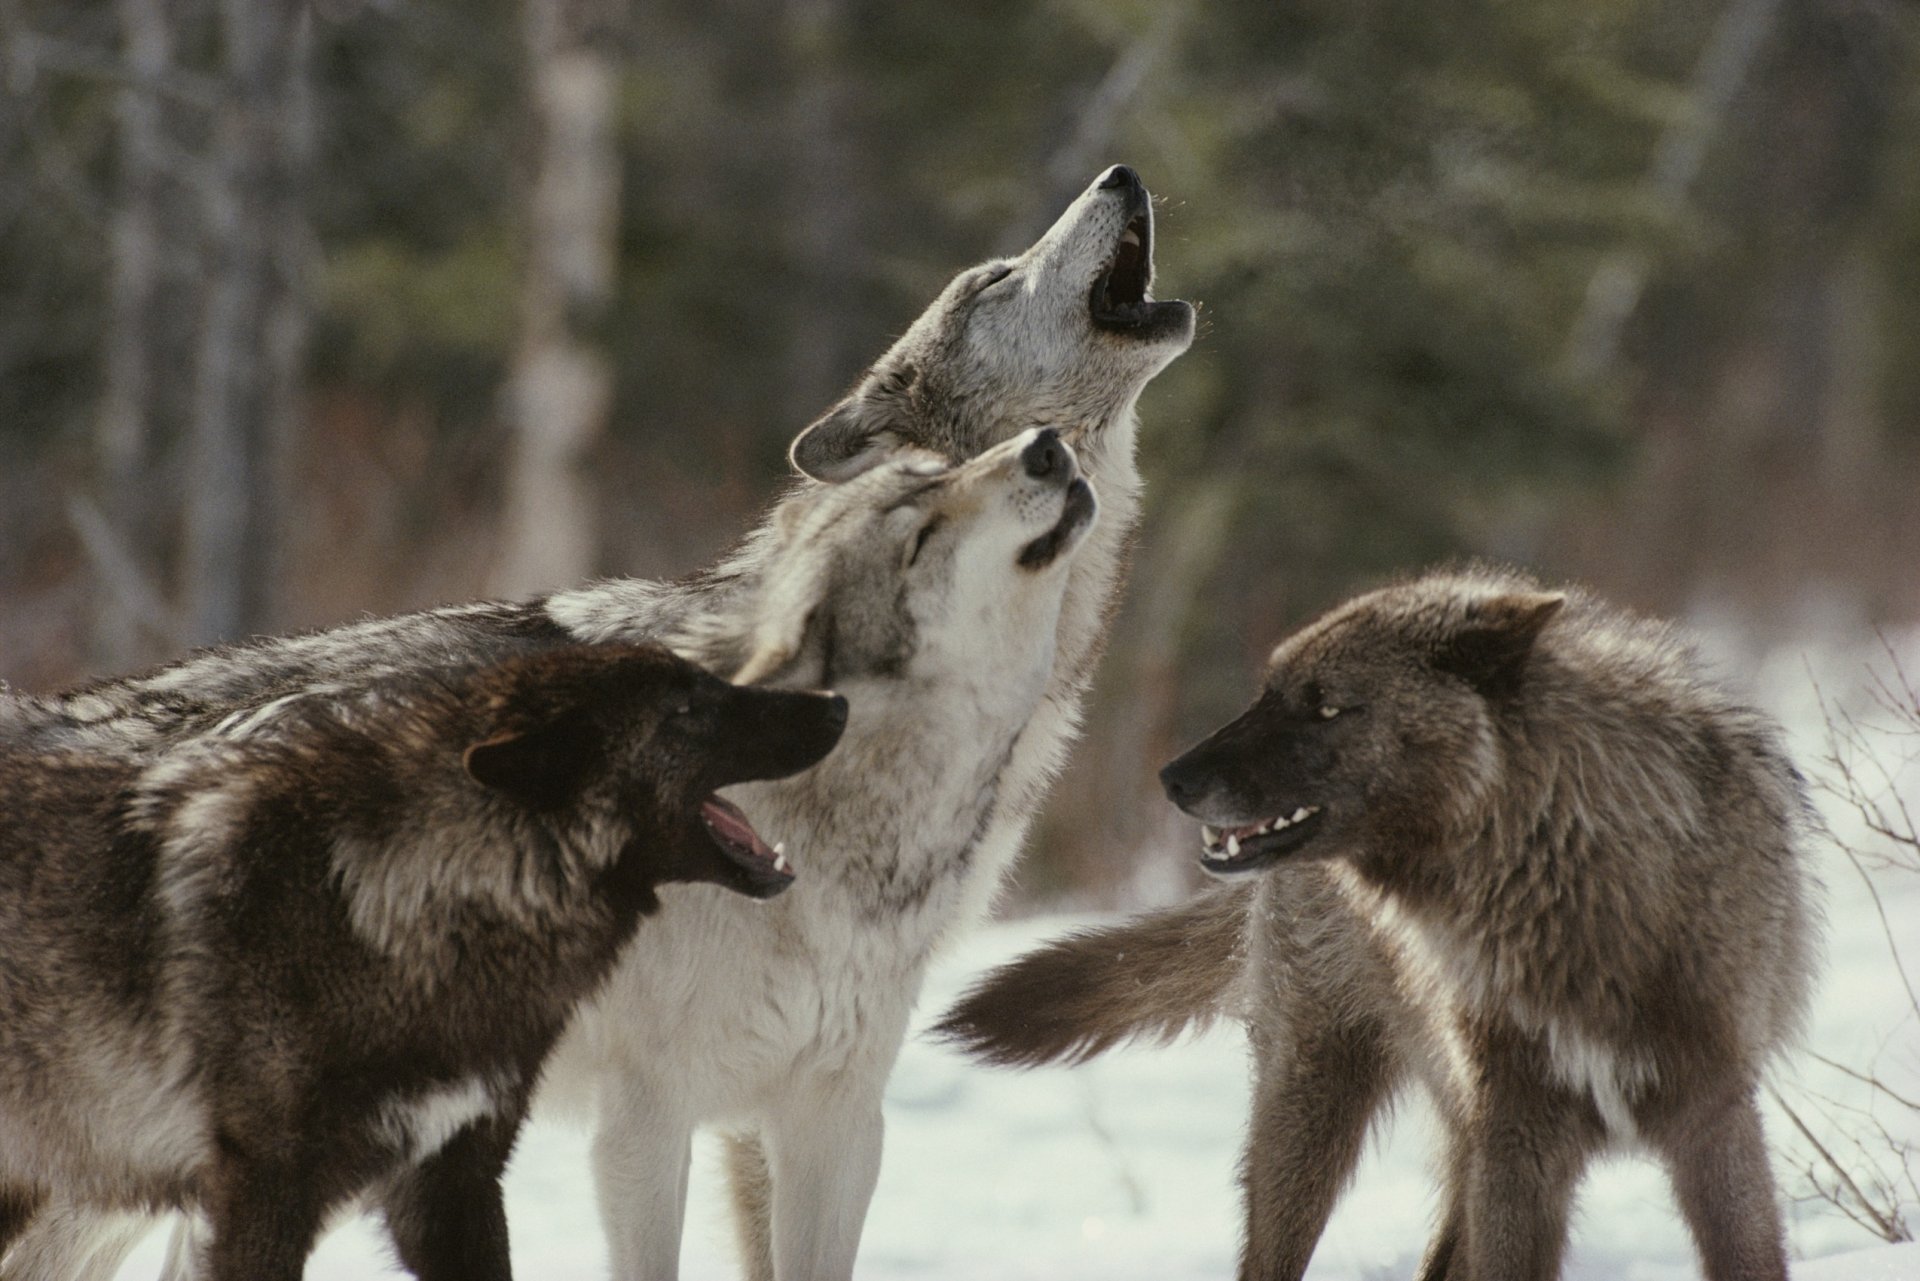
[[1155, 975]]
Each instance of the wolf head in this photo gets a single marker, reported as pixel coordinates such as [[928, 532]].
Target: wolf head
[[519, 787], [915, 567], [1064, 335], [635, 731], [1376, 728]]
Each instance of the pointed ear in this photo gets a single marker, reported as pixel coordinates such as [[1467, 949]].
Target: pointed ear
[[781, 633], [850, 438], [542, 767], [1489, 647]]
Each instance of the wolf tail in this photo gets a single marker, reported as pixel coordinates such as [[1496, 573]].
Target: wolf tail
[[1155, 975]]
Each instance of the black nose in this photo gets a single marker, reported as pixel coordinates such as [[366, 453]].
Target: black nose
[[1185, 788], [1119, 176], [1046, 457]]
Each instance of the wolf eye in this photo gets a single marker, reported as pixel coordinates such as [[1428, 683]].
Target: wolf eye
[[1328, 711], [993, 278]]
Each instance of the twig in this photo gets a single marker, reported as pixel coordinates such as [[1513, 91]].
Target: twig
[[1888, 1229], [1863, 1078]]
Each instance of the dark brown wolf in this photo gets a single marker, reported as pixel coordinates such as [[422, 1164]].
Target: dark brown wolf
[[323, 954], [1512, 843]]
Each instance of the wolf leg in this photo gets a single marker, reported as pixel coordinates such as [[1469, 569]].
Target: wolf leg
[[824, 1155], [1313, 1101], [752, 1185], [185, 1249], [264, 1218], [1724, 1184], [446, 1215], [1446, 1255], [1528, 1146], [641, 1153]]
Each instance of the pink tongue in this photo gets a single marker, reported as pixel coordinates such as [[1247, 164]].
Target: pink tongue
[[730, 825]]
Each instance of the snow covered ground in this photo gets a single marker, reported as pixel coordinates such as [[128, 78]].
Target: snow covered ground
[[1125, 1168]]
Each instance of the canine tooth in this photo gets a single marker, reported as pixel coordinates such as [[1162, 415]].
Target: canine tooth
[[1233, 846], [1130, 237], [780, 863], [1209, 834], [1299, 814], [779, 847]]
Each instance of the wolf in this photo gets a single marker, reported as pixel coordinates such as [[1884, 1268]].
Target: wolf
[[927, 595], [1506, 841], [1062, 338], [321, 955]]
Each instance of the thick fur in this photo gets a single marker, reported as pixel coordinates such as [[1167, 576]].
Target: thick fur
[[1080, 995], [323, 954], [1527, 854], [1008, 347]]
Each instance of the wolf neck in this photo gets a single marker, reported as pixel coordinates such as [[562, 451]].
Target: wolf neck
[[1098, 573]]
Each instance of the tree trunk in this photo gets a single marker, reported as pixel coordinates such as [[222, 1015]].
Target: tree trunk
[[123, 432], [822, 221], [561, 384], [252, 325]]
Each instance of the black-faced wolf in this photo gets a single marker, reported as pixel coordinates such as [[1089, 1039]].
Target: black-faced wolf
[[322, 954], [1512, 843]]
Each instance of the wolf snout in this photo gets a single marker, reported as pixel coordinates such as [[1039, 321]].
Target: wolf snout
[[1193, 788], [1047, 457]]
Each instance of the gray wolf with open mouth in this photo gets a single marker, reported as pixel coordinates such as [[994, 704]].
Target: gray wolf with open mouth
[[1508, 842], [1062, 338]]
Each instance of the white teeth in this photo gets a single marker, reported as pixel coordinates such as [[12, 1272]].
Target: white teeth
[[1209, 834], [1130, 237], [1216, 855], [1303, 812], [779, 847], [1233, 846], [780, 863]]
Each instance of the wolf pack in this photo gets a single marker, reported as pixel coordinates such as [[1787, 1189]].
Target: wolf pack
[[305, 926]]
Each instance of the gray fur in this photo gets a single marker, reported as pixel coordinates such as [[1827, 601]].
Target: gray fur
[[1540, 864], [988, 361]]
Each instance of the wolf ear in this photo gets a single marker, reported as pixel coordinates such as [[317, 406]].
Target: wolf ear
[[542, 767], [852, 437], [792, 603], [1489, 647]]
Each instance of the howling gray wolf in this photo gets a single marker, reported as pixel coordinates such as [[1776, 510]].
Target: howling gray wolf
[[1509, 842], [323, 953], [1063, 337]]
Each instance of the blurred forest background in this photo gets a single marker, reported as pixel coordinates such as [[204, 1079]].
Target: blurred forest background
[[309, 311]]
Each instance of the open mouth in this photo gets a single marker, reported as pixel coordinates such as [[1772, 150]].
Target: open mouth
[[1119, 302], [767, 869], [1225, 851], [1120, 294], [1075, 514]]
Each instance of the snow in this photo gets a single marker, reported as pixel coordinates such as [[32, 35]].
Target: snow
[[1125, 1168]]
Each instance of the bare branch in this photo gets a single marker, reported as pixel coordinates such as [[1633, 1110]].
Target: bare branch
[[1863, 1078], [1886, 1225]]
